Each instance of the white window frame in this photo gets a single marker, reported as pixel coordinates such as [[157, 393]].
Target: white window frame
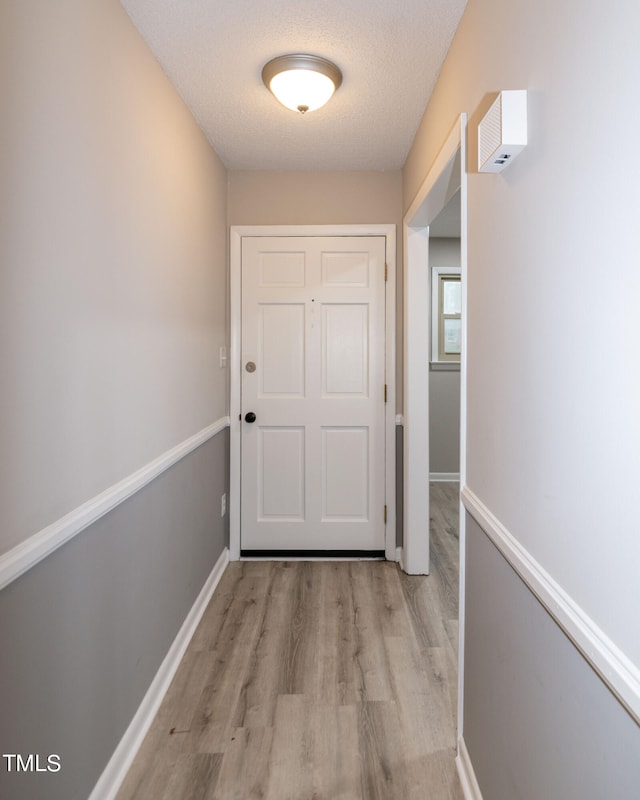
[[436, 272]]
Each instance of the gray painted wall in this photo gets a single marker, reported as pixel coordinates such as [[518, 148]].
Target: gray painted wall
[[113, 252], [113, 295], [539, 724], [444, 421], [541, 422], [85, 630], [444, 386]]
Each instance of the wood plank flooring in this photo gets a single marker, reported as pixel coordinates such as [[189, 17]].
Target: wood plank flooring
[[316, 681]]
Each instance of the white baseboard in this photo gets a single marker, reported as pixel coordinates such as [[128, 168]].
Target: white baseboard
[[620, 674], [116, 770], [441, 477], [30, 552], [466, 773]]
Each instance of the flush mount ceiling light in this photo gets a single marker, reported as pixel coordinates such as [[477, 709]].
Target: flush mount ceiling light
[[301, 82]]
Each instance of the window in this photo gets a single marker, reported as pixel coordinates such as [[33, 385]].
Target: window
[[446, 309]]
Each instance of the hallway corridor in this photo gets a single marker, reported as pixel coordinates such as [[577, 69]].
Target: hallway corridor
[[320, 680]]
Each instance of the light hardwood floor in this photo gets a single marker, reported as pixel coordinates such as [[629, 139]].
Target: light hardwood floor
[[316, 681]]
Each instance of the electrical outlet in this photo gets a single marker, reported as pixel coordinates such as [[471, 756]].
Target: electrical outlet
[[223, 357], [223, 505]]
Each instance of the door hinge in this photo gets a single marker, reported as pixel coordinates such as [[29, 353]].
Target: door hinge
[[385, 515], [386, 272], [385, 393]]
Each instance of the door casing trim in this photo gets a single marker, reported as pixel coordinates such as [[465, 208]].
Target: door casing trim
[[428, 202], [237, 232]]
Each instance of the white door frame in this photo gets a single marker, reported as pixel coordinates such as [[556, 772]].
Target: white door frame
[[429, 201], [445, 176], [235, 350]]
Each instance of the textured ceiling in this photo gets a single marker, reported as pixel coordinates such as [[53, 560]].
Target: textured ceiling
[[390, 53]]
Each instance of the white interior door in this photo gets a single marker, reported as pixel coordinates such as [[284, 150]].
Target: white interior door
[[313, 373]]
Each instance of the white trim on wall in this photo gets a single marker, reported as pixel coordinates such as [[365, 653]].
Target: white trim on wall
[[235, 287], [447, 174], [389, 232], [620, 674], [116, 770], [466, 773], [415, 548], [37, 547], [462, 530], [432, 196], [444, 477]]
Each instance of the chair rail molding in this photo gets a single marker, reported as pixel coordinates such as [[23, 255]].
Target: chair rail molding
[[27, 554], [620, 674]]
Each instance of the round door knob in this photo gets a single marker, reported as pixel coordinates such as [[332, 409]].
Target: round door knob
[[250, 417]]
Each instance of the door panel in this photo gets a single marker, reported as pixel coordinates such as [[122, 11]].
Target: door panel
[[281, 473], [345, 269], [312, 463], [278, 270], [345, 474], [345, 351], [282, 349]]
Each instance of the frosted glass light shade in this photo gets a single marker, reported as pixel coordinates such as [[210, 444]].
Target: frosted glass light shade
[[301, 82], [300, 89]]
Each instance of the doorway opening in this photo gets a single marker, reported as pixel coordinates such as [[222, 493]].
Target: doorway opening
[[434, 206], [287, 353]]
